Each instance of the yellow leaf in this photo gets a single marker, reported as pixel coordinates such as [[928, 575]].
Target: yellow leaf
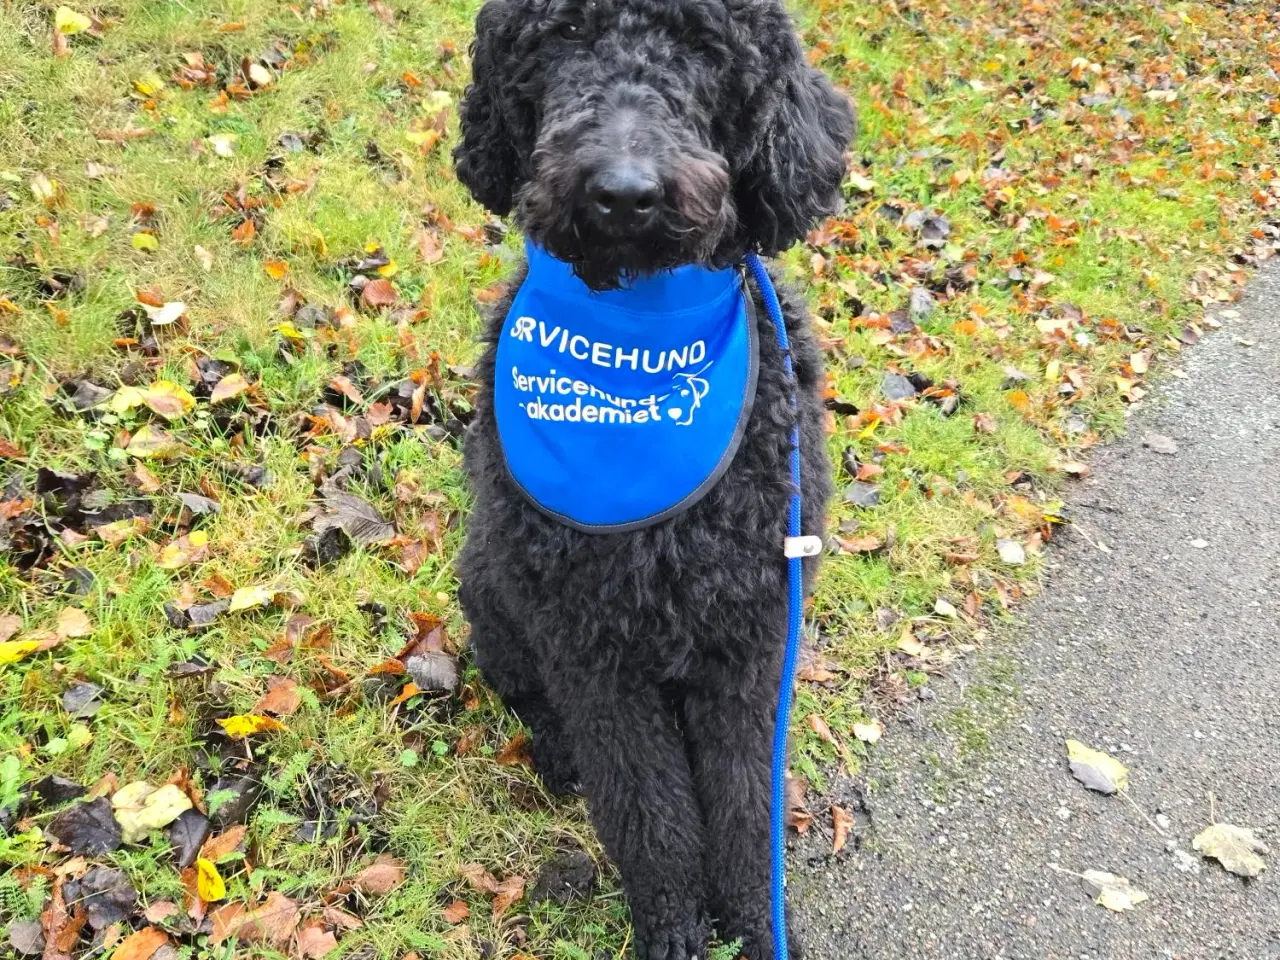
[[146, 242], [125, 399], [46, 190], [276, 269], [140, 808], [290, 332], [388, 269], [1096, 770], [861, 184], [208, 881], [249, 598], [1236, 848], [11, 651], [1113, 892], [168, 399], [68, 22], [148, 85], [436, 101], [246, 725], [153, 443]]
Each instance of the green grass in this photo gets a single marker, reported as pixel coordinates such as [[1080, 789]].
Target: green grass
[[973, 113]]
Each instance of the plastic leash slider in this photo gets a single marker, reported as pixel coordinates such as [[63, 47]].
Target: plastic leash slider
[[793, 547]]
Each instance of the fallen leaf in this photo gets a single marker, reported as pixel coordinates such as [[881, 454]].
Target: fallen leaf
[[209, 882], [145, 242], [205, 257], [229, 387], [356, 517], [274, 921], [168, 399], [868, 732], [250, 598], [282, 697], [87, 828], [68, 22], [1236, 848], [187, 549], [1011, 552], [11, 651], [1096, 770], [246, 725], [381, 877], [140, 808], [166, 314], [141, 945], [160, 911], [187, 834], [1113, 892], [244, 232], [224, 844], [842, 822], [152, 443], [1158, 443], [315, 941], [457, 911], [276, 269], [379, 293], [945, 608], [73, 622], [224, 145], [507, 893], [820, 727]]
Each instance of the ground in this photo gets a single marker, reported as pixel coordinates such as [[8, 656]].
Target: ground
[[1155, 639], [239, 293]]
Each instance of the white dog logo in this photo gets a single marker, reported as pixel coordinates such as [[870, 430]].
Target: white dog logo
[[688, 391]]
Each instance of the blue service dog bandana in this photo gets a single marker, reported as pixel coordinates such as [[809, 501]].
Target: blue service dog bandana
[[617, 409]]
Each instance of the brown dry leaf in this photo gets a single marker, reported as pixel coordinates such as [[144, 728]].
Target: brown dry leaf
[[340, 918], [507, 892], [430, 249], [10, 623], [343, 385], [481, 880], [819, 726], [518, 752], [160, 911], [379, 293], [141, 945], [282, 697], [842, 822], [147, 481], [381, 877], [224, 844], [274, 921], [315, 941], [244, 233], [457, 911], [73, 622], [798, 816]]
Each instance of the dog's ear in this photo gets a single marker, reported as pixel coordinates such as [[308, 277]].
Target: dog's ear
[[488, 160], [797, 165]]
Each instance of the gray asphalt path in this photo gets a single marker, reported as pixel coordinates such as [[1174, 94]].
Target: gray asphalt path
[[1164, 648]]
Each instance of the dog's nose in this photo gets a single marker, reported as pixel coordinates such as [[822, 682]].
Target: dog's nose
[[626, 193]]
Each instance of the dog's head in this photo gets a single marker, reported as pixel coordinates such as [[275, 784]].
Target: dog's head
[[631, 136]]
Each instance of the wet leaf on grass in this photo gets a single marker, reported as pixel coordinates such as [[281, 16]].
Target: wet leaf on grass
[[141, 945], [82, 699], [380, 877], [273, 921], [895, 386], [140, 808], [1011, 552], [456, 912], [188, 834], [282, 697], [862, 494], [190, 548], [224, 844], [504, 893], [87, 828], [73, 622], [152, 443], [26, 937], [105, 893], [246, 725], [11, 651], [1113, 892], [355, 516], [53, 791], [209, 882], [1096, 770], [569, 875], [1236, 848], [199, 505], [314, 941], [228, 388], [434, 672]]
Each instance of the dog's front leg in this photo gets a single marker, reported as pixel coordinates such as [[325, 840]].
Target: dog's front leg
[[634, 772], [730, 729]]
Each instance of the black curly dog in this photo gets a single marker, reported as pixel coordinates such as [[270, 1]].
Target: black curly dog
[[631, 136]]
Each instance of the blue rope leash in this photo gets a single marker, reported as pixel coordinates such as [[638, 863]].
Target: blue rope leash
[[795, 615]]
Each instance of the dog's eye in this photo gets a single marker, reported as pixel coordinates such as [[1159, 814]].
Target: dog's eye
[[570, 30]]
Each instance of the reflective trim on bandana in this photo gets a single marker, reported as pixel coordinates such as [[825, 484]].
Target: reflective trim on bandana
[[620, 408]]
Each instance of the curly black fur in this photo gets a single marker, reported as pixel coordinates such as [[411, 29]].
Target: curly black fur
[[647, 663]]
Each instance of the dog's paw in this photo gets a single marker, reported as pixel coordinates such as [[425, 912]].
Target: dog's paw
[[672, 940], [755, 933]]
